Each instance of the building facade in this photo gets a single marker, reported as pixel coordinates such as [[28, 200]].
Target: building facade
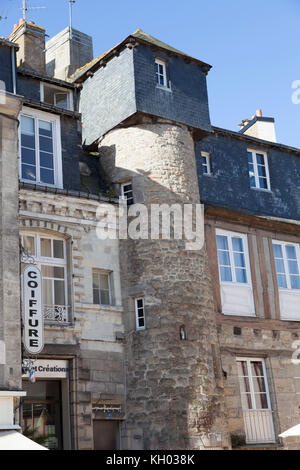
[[147, 345]]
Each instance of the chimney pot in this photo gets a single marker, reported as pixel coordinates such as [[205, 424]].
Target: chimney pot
[[259, 113]]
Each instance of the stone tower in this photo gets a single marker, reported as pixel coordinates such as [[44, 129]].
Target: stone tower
[[173, 384]]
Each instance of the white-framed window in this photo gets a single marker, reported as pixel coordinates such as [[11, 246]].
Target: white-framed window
[[161, 73], [233, 257], [127, 192], [50, 255], [140, 320], [206, 163], [258, 170], [287, 262], [57, 96], [40, 148], [102, 287], [234, 273], [253, 384]]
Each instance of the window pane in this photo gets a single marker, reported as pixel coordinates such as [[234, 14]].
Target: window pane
[[281, 280], [46, 247], [252, 181], [27, 125], [290, 252], [293, 267], [261, 171], [223, 257], [61, 100], [28, 172], [237, 244], [140, 303], [295, 282], [53, 271], [263, 183], [104, 297], [141, 322], [250, 158], [241, 275], [242, 368], [260, 159], [225, 274], [261, 401], [277, 250], [28, 244], [27, 140], [257, 369], [46, 160], [46, 144], [239, 260], [59, 292], [58, 249], [47, 176], [279, 266], [222, 242], [96, 281], [47, 292], [45, 128], [28, 156], [96, 296], [104, 281]]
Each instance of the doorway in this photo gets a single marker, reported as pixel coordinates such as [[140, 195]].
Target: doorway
[[106, 434]]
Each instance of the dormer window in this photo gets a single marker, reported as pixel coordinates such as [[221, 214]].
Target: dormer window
[[206, 163], [161, 73], [56, 96], [258, 170]]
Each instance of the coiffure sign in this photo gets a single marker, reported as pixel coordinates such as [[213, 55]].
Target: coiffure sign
[[33, 315]]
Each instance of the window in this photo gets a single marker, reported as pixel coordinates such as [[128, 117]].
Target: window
[[56, 96], [50, 256], [206, 163], [253, 384], [102, 287], [140, 314], [256, 404], [127, 193], [234, 273], [258, 170], [286, 256], [161, 73], [40, 148], [232, 257]]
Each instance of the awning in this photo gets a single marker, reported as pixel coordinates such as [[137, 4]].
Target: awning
[[13, 440], [294, 431]]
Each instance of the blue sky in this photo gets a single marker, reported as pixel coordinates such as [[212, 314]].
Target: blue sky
[[254, 47]]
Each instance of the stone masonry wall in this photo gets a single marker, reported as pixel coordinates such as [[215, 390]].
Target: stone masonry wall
[[173, 400]]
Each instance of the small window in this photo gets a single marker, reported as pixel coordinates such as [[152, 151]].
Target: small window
[[102, 287], [206, 163], [161, 73], [258, 170], [127, 193], [287, 259], [140, 314], [56, 96]]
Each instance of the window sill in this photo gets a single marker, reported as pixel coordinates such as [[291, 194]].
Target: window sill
[[247, 315], [41, 185], [165, 88], [262, 190]]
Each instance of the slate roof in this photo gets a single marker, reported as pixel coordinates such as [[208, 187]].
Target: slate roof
[[139, 36]]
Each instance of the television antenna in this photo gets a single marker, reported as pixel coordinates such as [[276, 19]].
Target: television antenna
[[3, 18], [25, 8]]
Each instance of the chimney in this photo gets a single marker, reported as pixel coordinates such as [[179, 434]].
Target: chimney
[[66, 52], [31, 41], [260, 127]]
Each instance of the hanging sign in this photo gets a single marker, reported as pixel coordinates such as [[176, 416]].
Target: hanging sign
[[33, 314]]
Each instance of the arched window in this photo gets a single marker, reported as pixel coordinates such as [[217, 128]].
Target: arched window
[[49, 253]]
